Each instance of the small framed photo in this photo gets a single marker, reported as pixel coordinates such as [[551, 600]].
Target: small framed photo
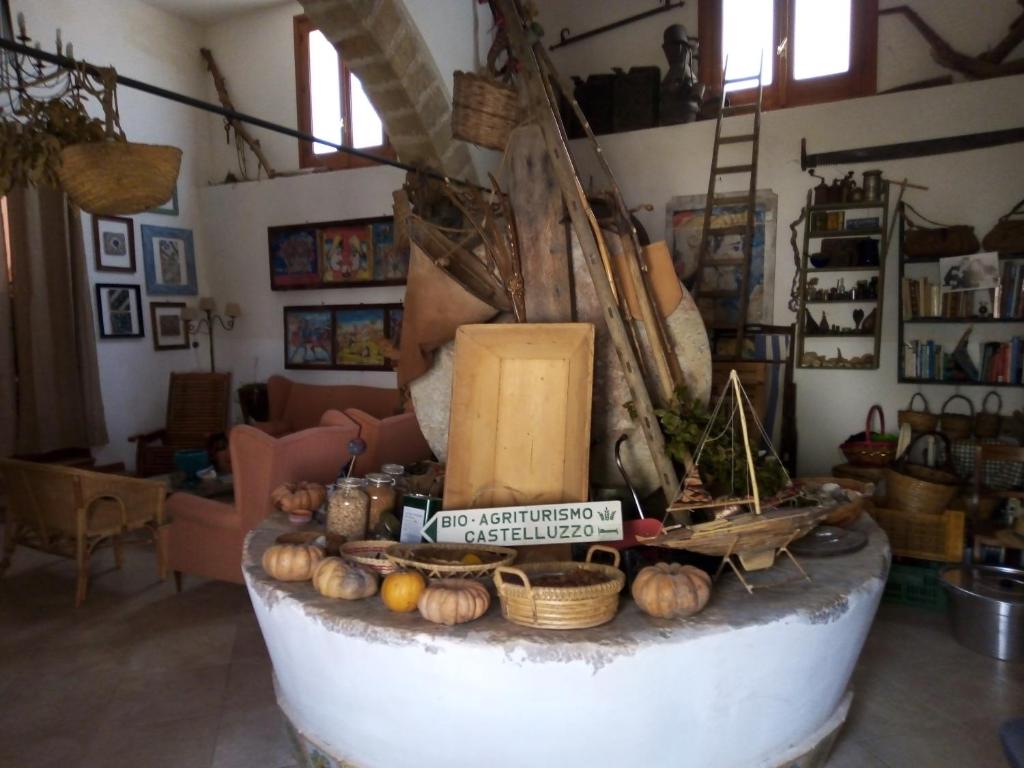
[[170, 208], [170, 262], [308, 337], [120, 311], [113, 240], [170, 331]]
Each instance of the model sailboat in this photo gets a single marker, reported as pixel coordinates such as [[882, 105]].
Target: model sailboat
[[738, 526]]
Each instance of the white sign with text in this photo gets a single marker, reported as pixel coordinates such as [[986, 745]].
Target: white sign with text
[[523, 526]]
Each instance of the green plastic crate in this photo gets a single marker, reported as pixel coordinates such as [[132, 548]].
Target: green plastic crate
[[916, 584]]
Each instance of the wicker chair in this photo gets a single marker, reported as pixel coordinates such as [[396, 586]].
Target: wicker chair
[[71, 512], [197, 409]]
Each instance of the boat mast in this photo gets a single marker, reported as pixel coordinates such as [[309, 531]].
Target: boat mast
[[734, 380]]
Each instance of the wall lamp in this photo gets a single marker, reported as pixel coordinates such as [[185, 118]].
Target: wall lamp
[[196, 323]]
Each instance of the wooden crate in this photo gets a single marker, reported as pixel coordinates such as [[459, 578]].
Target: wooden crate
[[922, 535]]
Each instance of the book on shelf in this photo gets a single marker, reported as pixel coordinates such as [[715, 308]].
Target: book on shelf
[[923, 298], [998, 362], [1009, 302]]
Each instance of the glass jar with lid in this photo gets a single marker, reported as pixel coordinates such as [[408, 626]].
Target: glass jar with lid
[[397, 473], [380, 488], [348, 508]]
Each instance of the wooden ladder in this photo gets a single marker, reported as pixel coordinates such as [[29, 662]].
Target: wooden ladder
[[703, 289]]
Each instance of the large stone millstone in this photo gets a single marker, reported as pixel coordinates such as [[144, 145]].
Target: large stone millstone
[[431, 393]]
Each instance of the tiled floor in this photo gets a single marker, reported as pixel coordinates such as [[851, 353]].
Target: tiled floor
[[143, 677]]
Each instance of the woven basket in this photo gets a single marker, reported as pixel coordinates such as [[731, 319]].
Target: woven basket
[[112, 178], [924, 536], [444, 561], [561, 607], [371, 555], [919, 421], [916, 488], [957, 426], [484, 110], [987, 424], [868, 452]]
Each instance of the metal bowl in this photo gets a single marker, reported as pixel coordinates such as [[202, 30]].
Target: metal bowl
[[987, 608]]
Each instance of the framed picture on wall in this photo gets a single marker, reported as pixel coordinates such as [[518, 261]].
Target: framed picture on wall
[[119, 308], [353, 337], [170, 331], [308, 337], [336, 254], [294, 262], [113, 240], [170, 261], [170, 208]]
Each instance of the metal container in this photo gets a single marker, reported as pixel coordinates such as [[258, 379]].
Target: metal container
[[987, 608]]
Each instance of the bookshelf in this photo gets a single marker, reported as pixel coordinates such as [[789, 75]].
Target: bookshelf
[[841, 282], [943, 335]]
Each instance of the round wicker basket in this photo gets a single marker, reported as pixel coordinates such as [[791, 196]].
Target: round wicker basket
[[484, 110], [567, 607], [957, 426], [987, 424], [919, 421], [439, 561], [117, 178], [371, 555], [868, 452], [917, 488]]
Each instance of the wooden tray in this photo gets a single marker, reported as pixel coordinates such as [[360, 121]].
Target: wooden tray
[[520, 423]]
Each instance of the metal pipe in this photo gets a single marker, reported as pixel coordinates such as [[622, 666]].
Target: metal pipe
[[206, 106]]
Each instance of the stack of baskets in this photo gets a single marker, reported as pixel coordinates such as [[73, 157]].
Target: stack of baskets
[[871, 449]]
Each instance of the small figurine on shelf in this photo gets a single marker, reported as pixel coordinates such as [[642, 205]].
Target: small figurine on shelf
[[858, 315], [823, 326]]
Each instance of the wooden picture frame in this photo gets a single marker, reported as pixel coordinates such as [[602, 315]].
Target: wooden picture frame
[[169, 259], [119, 311], [342, 337], [113, 239], [336, 254], [170, 329]]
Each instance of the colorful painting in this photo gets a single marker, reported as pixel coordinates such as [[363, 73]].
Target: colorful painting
[[293, 258], [170, 261], [361, 337], [307, 337], [389, 263], [721, 273], [336, 254], [346, 254]]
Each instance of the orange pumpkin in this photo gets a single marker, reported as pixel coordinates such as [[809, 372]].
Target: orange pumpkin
[[291, 562], [453, 601], [401, 591], [338, 578], [671, 590], [294, 497]]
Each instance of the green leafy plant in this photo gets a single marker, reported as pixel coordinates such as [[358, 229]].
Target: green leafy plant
[[723, 461]]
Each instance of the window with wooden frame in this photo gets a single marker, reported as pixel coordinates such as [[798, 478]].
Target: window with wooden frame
[[332, 105], [812, 50]]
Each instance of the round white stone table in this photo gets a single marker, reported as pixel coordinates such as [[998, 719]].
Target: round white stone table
[[753, 680]]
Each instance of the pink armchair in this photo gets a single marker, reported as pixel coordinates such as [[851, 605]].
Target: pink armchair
[[395, 439], [206, 536]]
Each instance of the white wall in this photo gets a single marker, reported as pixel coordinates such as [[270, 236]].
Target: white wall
[[157, 48]]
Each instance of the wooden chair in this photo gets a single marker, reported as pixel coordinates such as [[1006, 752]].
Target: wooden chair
[[197, 409], [71, 512]]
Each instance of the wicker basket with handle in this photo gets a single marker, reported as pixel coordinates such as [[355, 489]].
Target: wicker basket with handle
[[917, 488], [957, 426], [484, 110], [451, 561], [919, 421], [561, 607], [989, 424], [868, 452], [371, 554]]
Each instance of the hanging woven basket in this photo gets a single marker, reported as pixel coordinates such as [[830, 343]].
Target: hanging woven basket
[[484, 110], [112, 178]]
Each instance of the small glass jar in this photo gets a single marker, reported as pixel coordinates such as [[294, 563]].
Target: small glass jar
[[397, 473], [381, 490], [347, 509]]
